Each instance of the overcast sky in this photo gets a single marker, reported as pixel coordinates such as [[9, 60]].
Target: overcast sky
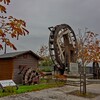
[[40, 14]]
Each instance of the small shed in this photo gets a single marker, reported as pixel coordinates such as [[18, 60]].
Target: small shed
[[12, 64]]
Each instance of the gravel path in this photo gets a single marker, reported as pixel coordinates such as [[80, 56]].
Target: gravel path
[[60, 93]]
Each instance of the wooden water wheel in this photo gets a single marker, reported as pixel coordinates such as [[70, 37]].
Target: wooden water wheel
[[30, 76], [62, 46]]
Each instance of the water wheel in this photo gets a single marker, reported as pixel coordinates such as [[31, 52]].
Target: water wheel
[[62, 46], [30, 76]]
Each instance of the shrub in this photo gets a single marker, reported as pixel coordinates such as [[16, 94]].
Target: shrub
[[46, 69]]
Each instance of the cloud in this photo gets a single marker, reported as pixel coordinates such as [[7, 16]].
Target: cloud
[[40, 14]]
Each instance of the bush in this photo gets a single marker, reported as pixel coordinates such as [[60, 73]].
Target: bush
[[46, 68]]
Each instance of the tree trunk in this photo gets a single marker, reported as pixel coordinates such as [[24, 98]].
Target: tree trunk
[[84, 83]]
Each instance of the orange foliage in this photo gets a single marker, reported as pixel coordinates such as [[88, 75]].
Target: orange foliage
[[2, 9], [61, 77], [89, 48], [10, 26], [5, 1]]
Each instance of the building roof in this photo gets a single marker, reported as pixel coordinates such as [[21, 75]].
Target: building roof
[[15, 54]]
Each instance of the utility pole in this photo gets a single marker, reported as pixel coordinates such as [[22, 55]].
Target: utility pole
[[5, 46], [5, 49]]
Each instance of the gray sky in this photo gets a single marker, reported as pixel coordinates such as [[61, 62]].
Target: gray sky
[[40, 14]]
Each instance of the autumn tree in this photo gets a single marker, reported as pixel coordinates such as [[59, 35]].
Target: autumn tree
[[88, 51], [43, 52], [10, 27]]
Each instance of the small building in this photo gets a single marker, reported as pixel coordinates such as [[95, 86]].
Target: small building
[[12, 64]]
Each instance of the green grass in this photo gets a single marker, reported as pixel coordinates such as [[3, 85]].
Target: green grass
[[27, 88], [7, 91], [30, 88]]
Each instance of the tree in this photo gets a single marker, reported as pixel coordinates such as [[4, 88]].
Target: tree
[[43, 52], [10, 27], [88, 51]]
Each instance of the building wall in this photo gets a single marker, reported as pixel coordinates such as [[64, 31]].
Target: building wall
[[26, 60], [6, 69]]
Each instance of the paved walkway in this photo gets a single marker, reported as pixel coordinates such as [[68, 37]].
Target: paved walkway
[[60, 93], [95, 88]]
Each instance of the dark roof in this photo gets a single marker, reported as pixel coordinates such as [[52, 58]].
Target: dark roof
[[15, 54]]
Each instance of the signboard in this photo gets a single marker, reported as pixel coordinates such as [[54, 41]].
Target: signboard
[[5, 83], [74, 68]]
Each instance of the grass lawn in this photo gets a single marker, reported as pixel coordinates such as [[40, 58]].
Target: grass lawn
[[29, 88]]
